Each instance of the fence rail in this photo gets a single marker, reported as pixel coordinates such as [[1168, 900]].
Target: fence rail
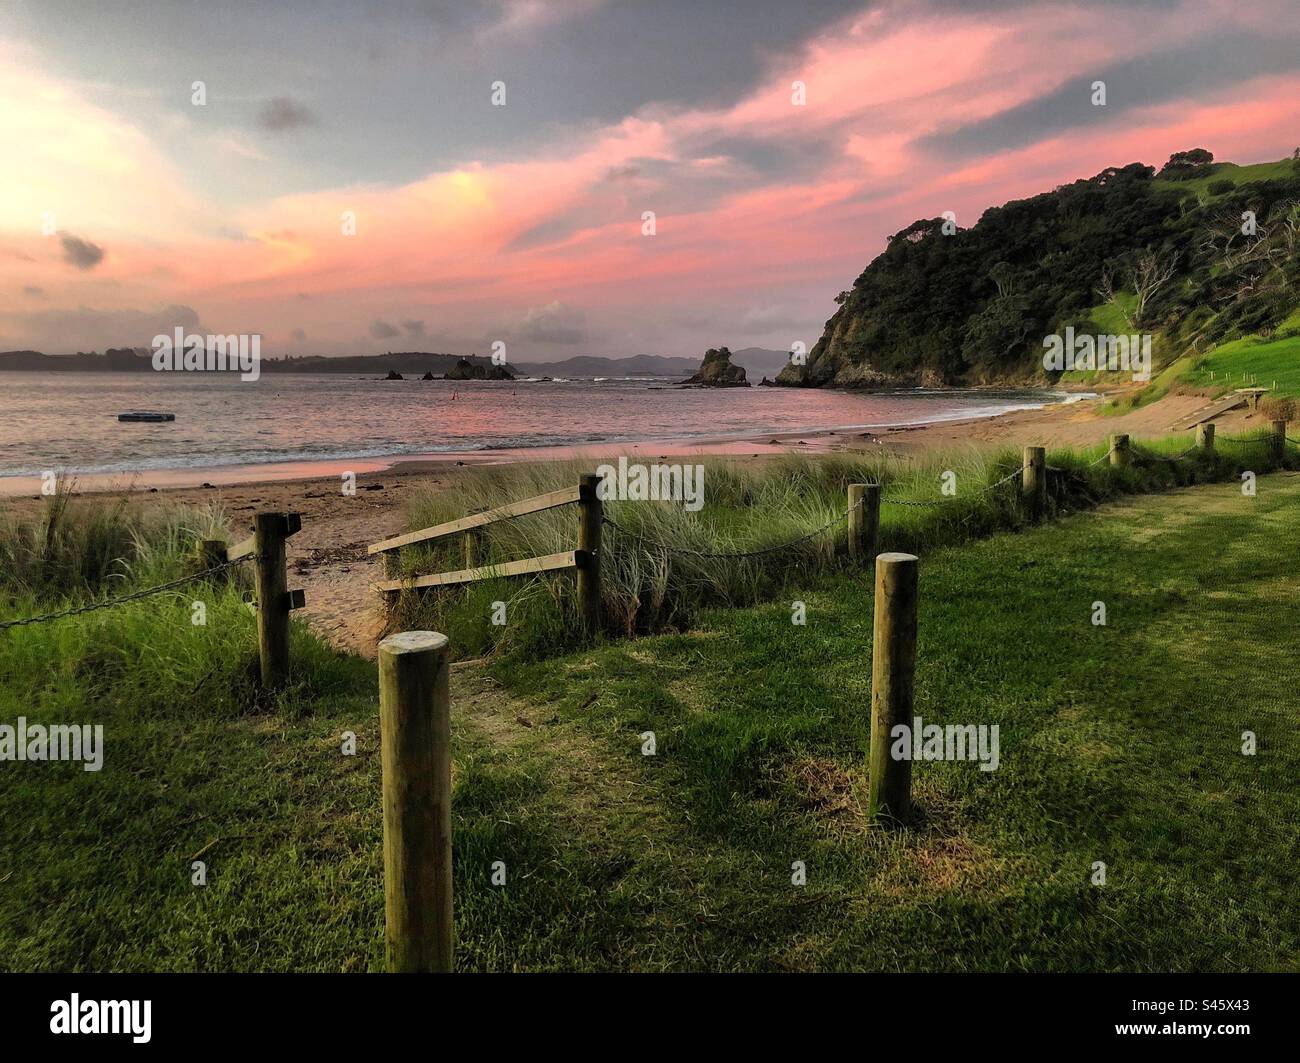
[[537, 504], [584, 561]]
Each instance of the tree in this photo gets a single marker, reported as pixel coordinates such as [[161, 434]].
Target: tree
[[1149, 274]]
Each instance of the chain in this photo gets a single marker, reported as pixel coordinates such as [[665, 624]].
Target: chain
[[135, 596]]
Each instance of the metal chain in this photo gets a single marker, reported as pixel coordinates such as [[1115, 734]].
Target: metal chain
[[134, 596]]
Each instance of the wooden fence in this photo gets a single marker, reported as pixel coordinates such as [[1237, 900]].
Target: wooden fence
[[274, 598], [584, 559]]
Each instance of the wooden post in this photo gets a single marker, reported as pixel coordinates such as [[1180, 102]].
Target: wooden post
[[270, 532], [212, 553], [589, 522], [1120, 452], [1033, 481], [893, 679], [1279, 441], [864, 519], [473, 548], [415, 747], [1205, 435], [392, 563]]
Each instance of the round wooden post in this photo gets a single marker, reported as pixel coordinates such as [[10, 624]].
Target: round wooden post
[[864, 519], [1120, 452], [415, 747], [893, 680], [212, 554], [1205, 435], [1279, 441], [270, 532], [589, 521], [1033, 481]]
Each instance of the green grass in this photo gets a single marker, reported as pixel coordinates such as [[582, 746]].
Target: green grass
[[1118, 743], [1239, 175], [1251, 362]]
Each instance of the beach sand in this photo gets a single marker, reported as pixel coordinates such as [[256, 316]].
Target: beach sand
[[328, 559]]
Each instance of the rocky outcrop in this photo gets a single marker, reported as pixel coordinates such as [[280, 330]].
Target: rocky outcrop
[[393, 374], [467, 370], [428, 375], [716, 371]]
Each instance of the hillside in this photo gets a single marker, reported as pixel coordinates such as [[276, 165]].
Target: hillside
[[1128, 251]]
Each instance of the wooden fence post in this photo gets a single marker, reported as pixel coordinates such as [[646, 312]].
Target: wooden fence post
[[273, 600], [1279, 441], [893, 681], [864, 519], [1205, 435], [212, 553], [1121, 453], [590, 512], [1033, 481], [415, 748]]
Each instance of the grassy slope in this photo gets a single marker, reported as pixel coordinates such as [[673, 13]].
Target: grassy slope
[[1118, 744], [1240, 175]]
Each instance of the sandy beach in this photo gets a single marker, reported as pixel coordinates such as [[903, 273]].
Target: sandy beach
[[328, 559]]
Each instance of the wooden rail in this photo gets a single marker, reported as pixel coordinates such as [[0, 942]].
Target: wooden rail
[[562, 497], [549, 563], [242, 549], [585, 559]]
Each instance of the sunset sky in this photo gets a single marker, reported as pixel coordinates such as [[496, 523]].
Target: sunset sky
[[523, 223]]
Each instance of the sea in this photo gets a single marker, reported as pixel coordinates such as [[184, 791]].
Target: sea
[[67, 422]]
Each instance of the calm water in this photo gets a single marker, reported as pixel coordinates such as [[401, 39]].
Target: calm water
[[68, 421]]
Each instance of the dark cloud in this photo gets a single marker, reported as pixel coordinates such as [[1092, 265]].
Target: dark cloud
[[34, 291], [413, 328], [282, 114], [555, 322], [80, 253], [1224, 60], [382, 330]]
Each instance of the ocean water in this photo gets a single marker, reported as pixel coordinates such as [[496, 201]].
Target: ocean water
[[68, 421]]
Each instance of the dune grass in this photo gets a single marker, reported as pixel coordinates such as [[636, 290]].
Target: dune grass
[[1120, 744], [652, 577]]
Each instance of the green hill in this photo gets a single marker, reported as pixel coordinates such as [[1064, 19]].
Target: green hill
[[1198, 256]]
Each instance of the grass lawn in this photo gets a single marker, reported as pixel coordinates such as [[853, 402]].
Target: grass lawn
[[1251, 362], [1119, 744], [1239, 175]]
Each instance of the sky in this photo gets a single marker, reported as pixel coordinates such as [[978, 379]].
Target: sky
[[355, 177]]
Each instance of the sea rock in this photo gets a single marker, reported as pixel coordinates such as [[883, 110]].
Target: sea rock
[[393, 374], [464, 369], [716, 371], [428, 375]]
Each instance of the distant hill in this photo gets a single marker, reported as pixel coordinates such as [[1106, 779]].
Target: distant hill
[[760, 361], [755, 360], [593, 366], [1128, 251]]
